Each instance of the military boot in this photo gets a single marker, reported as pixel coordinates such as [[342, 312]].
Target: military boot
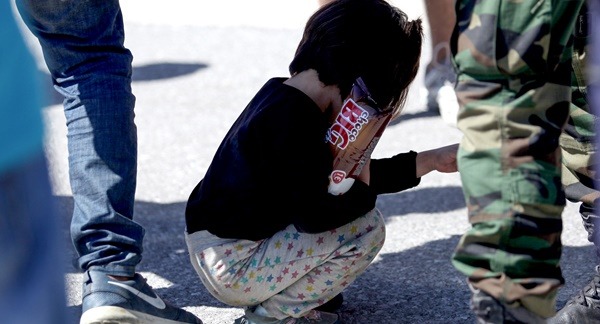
[[583, 308]]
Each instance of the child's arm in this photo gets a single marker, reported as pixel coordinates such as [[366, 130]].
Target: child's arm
[[442, 159], [405, 170]]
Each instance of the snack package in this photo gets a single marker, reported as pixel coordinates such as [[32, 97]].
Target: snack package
[[353, 136]]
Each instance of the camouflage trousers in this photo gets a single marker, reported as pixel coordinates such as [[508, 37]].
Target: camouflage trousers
[[513, 60], [578, 140]]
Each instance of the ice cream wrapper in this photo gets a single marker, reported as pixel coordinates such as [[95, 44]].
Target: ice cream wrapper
[[353, 136]]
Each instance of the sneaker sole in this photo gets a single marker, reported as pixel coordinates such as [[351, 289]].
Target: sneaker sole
[[119, 315]]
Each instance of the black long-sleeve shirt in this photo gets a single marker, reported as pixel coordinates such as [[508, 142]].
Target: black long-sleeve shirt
[[271, 170]]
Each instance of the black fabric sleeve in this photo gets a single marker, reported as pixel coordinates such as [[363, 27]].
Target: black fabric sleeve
[[292, 144], [336, 211], [394, 174]]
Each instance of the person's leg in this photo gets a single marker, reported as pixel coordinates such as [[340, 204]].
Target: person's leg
[[514, 91], [578, 143], [593, 64], [440, 76], [441, 18], [290, 273], [82, 43]]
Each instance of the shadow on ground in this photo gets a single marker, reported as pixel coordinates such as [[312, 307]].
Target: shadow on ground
[[141, 73], [422, 200]]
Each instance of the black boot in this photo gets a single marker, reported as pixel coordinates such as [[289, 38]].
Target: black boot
[[591, 223], [488, 310], [583, 308]]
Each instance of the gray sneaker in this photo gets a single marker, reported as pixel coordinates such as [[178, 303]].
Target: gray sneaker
[[313, 317], [488, 310], [110, 301], [583, 308]]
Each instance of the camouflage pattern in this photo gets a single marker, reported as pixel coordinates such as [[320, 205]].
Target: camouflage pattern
[[513, 59], [578, 141], [592, 219]]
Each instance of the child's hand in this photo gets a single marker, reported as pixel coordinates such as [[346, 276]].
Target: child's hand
[[446, 159], [442, 159]]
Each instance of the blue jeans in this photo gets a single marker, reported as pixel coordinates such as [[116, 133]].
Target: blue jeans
[[82, 42], [31, 271]]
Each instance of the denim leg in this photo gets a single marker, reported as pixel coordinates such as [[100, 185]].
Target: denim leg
[[82, 42], [31, 268]]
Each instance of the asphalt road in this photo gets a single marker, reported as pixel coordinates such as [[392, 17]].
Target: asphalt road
[[196, 65]]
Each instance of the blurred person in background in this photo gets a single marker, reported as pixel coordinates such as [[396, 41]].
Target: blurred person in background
[[31, 265]]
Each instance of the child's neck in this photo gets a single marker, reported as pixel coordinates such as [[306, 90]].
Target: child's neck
[[308, 82]]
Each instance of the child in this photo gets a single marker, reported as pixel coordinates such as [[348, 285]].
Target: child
[[262, 230]]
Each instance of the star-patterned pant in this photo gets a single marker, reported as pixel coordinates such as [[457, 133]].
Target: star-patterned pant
[[290, 273]]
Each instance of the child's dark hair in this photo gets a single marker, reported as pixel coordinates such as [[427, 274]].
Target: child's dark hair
[[370, 39]]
